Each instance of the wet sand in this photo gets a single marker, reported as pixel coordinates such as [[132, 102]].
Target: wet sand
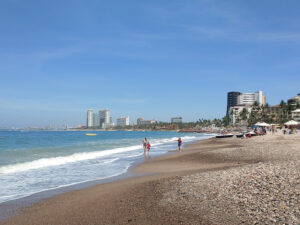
[[163, 195]]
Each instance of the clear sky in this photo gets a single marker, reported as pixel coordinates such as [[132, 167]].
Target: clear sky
[[154, 59]]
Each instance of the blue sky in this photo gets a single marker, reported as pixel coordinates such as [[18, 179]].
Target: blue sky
[[154, 59]]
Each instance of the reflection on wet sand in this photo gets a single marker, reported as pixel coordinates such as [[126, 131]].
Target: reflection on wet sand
[[147, 156]]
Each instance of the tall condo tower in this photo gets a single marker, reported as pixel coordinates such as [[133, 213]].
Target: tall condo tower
[[232, 99], [251, 98], [104, 117], [96, 121], [89, 118]]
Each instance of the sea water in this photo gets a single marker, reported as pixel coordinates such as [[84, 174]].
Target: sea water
[[35, 161]]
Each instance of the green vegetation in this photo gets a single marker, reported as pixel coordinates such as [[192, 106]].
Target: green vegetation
[[178, 126], [264, 113]]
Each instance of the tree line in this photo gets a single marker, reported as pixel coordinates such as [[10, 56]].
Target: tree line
[[263, 113]]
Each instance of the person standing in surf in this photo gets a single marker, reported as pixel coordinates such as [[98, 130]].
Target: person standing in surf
[[148, 146], [145, 141], [179, 141]]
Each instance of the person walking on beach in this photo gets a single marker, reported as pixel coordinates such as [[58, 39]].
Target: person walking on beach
[[179, 141], [145, 141]]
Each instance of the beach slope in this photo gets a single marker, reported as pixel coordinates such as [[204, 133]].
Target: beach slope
[[214, 181]]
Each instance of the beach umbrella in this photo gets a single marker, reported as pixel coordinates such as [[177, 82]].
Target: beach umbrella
[[291, 123], [262, 124]]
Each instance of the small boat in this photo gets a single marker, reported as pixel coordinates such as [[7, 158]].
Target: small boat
[[241, 135], [246, 134], [226, 135], [90, 134]]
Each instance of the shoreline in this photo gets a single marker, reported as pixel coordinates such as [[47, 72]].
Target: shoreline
[[151, 199], [10, 208]]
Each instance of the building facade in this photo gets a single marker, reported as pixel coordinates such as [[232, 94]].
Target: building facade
[[232, 99], [244, 99], [104, 118], [251, 98], [176, 120], [296, 115], [275, 111], [235, 114], [295, 100], [89, 119], [96, 120], [141, 121], [123, 121]]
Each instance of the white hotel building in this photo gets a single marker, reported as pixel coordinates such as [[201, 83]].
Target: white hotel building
[[251, 98], [141, 121], [123, 121], [89, 121]]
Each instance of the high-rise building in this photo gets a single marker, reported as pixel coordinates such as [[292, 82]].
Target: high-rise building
[[176, 120], [244, 99], [123, 121], [251, 98], [96, 120], [264, 100], [89, 120], [232, 99], [104, 117]]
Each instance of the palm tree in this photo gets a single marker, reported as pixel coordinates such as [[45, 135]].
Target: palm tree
[[244, 114], [282, 104], [226, 121]]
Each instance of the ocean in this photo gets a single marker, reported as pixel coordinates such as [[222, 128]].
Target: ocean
[[36, 161]]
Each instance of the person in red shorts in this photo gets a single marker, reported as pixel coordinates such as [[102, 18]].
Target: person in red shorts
[[179, 141], [148, 146]]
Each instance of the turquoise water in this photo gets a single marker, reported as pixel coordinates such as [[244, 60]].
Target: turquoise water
[[35, 161]]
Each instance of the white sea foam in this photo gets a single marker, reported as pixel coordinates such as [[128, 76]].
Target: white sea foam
[[77, 157], [43, 174], [26, 194], [57, 161]]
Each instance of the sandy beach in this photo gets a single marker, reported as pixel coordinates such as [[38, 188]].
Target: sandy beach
[[226, 181]]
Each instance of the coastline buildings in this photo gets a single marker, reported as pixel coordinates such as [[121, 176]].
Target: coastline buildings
[[176, 120], [246, 112], [141, 121], [238, 102], [89, 121], [235, 98], [123, 121], [99, 120]]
